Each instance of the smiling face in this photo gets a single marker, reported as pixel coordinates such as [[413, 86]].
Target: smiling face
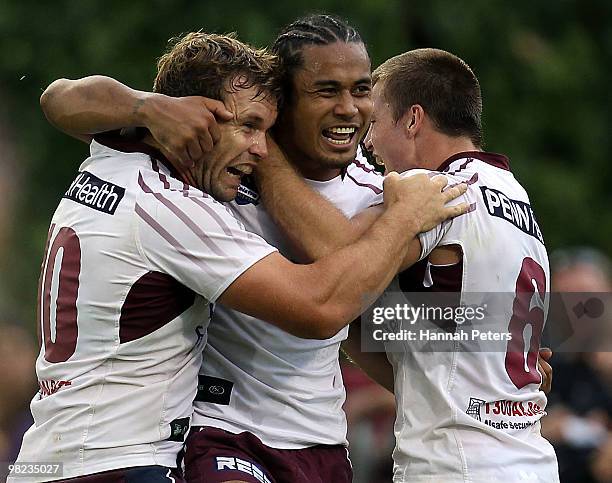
[[387, 138], [241, 145], [329, 109]]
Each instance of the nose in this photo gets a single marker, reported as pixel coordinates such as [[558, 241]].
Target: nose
[[259, 147], [345, 107]]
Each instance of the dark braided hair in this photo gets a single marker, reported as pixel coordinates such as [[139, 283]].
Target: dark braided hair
[[316, 29]]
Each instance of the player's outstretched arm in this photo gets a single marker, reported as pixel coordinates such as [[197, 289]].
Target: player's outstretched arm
[[185, 127], [317, 227], [317, 300]]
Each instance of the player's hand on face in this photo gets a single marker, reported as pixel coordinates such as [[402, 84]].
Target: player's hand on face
[[545, 369], [424, 198], [274, 160], [185, 127]]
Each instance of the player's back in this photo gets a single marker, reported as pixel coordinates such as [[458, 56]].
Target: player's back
[[469, 409], [121, 341]]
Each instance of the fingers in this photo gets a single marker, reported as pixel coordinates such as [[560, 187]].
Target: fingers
[[185, 173], [546, 353], [547, 375], [194, 151], [545, 368], [218, 109], [454, 191], [457, 210], [214, 133], [440, 181]]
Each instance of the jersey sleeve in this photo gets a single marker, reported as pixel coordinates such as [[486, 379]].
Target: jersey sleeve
[[195, 239], [434, 237]]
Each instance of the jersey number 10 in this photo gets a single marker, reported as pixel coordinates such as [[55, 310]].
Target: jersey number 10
[[58, 289]]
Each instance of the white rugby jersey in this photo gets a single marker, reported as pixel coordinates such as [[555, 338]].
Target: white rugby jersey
[[465, 415], [134, 261], [286, 390]]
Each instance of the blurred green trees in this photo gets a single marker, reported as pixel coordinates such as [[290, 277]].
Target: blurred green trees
[[544, 67]]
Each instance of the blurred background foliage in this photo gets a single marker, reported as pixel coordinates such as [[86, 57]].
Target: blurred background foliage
[[545, 68]]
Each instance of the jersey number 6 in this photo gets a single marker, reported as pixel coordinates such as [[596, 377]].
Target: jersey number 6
[[527, 309]]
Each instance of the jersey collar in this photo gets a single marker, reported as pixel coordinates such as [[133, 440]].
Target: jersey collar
[[115, 140], [497, 160]]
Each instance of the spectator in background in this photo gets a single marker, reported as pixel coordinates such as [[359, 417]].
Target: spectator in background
[[580, 408], [18, 382]]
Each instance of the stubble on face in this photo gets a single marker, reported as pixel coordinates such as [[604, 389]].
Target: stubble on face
[[329, 109], [241, 144]]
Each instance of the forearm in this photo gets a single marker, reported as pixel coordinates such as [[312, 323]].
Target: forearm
[[374, 364], [93, 104], [309, 221], [368, 265]]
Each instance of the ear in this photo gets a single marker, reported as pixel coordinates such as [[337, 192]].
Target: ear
[[412, 120]]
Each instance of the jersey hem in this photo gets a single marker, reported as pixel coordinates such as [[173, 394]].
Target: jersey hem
[[270, 442]]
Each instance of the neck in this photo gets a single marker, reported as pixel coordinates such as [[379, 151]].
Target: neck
[[309, 170], [438, 147]]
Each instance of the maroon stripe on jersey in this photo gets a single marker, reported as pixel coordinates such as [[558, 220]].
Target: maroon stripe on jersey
[[376, 189], [162, 178], [470, 181], [494, 159], [153, 301], [148, 219], [181, 216], [226, 229], [166, 183], [365, 168], [462, 167]]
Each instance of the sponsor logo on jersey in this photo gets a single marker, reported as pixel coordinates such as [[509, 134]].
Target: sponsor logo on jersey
[[513, 408], [91, 191], [516, 212], [225, 463], [178, 429], [247, 192], [474, 408], [214, 390], [496, 413]]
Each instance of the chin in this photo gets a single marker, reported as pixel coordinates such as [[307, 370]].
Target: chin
[[337, 160], [224, 195]]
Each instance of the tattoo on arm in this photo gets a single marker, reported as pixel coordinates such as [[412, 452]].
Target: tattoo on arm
[[137, 105]]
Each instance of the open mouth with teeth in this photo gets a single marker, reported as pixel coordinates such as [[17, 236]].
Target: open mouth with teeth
[[239, 170], [339, 136]]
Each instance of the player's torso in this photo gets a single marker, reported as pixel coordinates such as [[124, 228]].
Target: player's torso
[[470, 408], [286, 390], [121, 343]]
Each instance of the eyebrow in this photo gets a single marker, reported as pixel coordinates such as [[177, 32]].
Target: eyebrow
[[335, 83], [252, 118]]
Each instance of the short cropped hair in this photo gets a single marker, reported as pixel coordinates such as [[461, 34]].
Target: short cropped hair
[[212, 65], [442, 83]]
